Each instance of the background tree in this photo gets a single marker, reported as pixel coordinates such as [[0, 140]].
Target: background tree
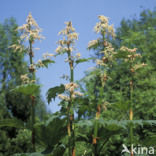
[[12, 66], [13, 104], [139, 33]]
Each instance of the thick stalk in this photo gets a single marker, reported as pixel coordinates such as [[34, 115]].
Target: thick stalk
[[131, 112], [32, 98], [71, 131], [131, 115], [95, 135], [96, 126], [72, 111]]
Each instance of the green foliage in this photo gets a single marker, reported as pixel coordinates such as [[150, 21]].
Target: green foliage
[[53, 92], [82, 60], [113, 124], [11, 123], [27, 89], [22, 142], [45, 130], [29, 154], [47, 62], [18, 104], [14, 106], [135, 33]]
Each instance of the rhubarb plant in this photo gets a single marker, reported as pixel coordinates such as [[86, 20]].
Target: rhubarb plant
[[106, 53], [30, 33], [67, 93], [131, 57]]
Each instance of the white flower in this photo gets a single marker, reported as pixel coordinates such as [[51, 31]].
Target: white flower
[[123, 48], [71, 86], [40, 64], [78, 55], [63, 97], [103, 19], [73, 36], [25, 79], [47, 55], [78, 93], [92, 43], [99, 62], [68, 29], [58, 49]]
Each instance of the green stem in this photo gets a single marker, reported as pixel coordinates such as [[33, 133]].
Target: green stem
[[131, 112], [32, 99], [95, 136], [96, 125], [71, 111]]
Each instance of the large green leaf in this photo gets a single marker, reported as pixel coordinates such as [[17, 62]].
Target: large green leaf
[[53, 92], [49, 133], [30, 154], [11, 123], [85, 123], [115, 125], [27, 89]]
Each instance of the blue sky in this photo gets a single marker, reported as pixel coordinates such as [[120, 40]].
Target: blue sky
[[51, 15]]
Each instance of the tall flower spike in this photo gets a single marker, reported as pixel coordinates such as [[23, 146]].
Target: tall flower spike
[[66, 44], [103, 27], [31, 30]]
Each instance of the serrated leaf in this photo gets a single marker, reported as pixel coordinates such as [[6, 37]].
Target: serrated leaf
[[28, 89], [53, 92], [47, 62]]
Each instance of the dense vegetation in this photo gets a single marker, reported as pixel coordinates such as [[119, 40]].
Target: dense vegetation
[[112, 106]]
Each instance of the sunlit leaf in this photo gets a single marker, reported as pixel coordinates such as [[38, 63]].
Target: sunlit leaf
[[53, 92], [28, 89]]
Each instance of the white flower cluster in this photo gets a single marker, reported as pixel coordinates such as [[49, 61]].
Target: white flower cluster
[[70, 87], [131, 57], [68, 40], [26, 80], [123, 48], [103, 27], [108, 55], [31, 30], [69, 29]]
